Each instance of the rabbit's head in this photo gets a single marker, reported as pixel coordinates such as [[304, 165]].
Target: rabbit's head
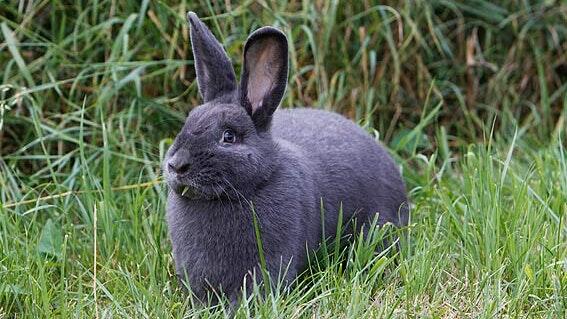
[[224, 147]]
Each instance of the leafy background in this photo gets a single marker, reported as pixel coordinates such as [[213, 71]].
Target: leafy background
[[470, 96]]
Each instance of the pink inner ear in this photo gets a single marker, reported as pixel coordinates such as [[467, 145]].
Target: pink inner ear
[[262, 69]]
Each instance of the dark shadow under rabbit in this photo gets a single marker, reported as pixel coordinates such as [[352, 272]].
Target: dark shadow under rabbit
[[236, 155]]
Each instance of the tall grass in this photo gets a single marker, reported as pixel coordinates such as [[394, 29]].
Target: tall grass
[[470, 96]]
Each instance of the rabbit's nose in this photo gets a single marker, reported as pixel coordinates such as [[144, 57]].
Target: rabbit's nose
[[179, 168]]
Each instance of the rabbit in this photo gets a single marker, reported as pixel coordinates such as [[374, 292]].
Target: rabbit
[[237, 155]]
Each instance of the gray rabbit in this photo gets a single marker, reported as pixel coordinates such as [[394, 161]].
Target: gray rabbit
[[236, 155]]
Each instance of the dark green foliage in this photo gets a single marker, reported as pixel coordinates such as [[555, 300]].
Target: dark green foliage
[[470, 95]]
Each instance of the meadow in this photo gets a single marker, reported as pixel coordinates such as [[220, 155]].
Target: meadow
[[470, 97]]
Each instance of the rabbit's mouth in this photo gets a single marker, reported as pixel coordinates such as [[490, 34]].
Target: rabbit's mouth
[[193, 191], [189, 192], [197, 187]]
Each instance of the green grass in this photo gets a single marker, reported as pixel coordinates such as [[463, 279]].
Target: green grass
[[470, 96]]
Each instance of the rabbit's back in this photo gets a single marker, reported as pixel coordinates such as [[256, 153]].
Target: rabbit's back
[[350, 166]]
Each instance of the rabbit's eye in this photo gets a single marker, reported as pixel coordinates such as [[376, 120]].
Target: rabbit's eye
[[228, 136]]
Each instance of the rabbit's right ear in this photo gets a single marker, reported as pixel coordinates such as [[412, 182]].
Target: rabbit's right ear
[[264, 74], [215, 74]]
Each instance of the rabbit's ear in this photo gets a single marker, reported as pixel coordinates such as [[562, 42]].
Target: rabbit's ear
[[264, 75], [215, 74]]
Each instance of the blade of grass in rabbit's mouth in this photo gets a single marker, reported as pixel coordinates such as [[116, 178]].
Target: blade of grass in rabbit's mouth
[[185, 190]]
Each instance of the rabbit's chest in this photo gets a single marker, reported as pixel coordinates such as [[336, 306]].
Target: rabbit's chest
[[211, 238], [221, 238]]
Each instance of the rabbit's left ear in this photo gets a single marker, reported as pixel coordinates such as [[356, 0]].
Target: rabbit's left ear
[[264, 74], [215, 74]]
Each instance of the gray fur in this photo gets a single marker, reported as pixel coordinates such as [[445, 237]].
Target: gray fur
[[283, 163]]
